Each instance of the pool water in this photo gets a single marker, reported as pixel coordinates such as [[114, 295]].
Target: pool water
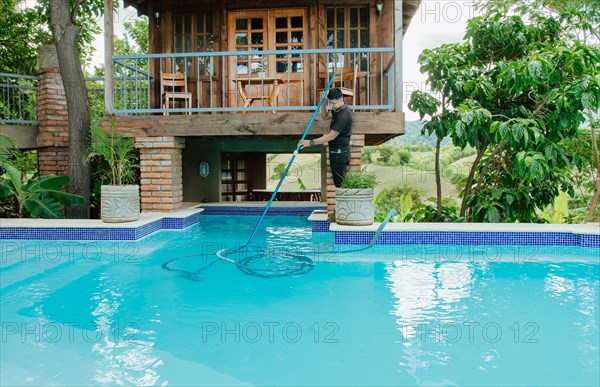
[[108, 313]]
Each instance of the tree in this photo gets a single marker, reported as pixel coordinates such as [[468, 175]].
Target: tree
[[66, 32], [513, 91], [580, 21], [133, 41], [22, 31]]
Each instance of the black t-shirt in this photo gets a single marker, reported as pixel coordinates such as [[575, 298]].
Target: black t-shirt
[[341, 123]]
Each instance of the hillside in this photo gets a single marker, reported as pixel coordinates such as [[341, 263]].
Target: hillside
[[418, 174]]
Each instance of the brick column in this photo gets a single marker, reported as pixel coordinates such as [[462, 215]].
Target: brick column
[[53, 132], [161, 172], [357, 141]]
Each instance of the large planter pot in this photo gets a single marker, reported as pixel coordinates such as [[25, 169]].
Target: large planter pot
[[119, 203], [354, 206]]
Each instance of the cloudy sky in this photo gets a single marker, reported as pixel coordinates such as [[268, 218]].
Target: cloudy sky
[[435, 23]]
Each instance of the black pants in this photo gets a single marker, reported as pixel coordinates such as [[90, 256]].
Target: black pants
[[339, 159]]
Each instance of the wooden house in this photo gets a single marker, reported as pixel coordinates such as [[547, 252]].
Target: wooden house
[[228, 82]]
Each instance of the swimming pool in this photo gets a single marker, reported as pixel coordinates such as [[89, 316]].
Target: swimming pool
[[107, 312]]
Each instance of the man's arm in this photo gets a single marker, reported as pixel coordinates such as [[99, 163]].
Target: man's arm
[[317, 141]]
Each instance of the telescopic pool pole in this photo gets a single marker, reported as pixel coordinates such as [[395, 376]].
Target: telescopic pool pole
[[290, 162]]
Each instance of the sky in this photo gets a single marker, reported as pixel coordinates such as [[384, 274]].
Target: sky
[[436, 22]]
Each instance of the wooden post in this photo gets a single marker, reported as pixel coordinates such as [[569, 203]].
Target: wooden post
[[398, 38], [109, 48]]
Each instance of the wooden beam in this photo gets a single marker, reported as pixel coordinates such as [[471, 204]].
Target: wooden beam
[[384, 124], [398, 41], [25, 136], [109, 45]]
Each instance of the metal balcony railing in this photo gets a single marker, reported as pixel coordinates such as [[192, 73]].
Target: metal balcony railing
[[18, 99], [221, 82], [245, 81]]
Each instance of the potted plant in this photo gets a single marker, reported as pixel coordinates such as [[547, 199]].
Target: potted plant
[[354, 202], [119, 196], [261, 71]]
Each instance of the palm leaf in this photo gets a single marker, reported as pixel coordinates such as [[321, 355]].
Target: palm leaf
[[64, 198], [43, 208], [48, 182]]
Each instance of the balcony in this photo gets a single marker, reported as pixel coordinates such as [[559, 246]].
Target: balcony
[[225, 88], [235, 82]]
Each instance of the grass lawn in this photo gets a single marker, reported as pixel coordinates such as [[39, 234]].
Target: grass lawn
[[418, 174]]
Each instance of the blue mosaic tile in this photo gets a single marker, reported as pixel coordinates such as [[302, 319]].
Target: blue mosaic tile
[[101, 234], [239, 210], [588, 240], [469, 238], [320, 226]]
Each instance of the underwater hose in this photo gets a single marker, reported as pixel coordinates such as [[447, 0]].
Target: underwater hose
[[284, 264]]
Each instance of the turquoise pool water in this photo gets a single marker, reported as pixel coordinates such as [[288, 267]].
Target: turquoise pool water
[[81, 313]]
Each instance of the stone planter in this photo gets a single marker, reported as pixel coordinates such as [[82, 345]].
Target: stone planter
[[354, 206], [119, 203]]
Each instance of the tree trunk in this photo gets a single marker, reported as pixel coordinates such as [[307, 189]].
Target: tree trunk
[[594, 202], [480, 152], [66, 34], [438, 179]]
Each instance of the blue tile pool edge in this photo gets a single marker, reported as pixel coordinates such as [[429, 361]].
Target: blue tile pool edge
[[536, 238], [101, 233], [469, 238]]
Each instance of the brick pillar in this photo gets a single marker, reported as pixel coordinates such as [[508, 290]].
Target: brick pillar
[[53, 133], [357, 141], [161, 172]]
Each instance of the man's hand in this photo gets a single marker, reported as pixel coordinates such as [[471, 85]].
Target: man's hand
[[304, 143]]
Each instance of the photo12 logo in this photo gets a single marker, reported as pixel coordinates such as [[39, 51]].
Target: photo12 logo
[[61, 252], [446, 11], [268, 332], [67, 332], [471, 332]]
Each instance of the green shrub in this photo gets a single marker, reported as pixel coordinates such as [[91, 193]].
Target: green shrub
[[360, 179]]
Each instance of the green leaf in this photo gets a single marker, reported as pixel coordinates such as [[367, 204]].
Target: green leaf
[[6, 189], [588, 100], [43, 208], [517, 133], [492, 215], [47, 182], [64, 198], [467, 117], [534, 68]]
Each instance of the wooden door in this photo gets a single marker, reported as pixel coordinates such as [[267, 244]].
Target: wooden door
[[290, 33], [275, 29]]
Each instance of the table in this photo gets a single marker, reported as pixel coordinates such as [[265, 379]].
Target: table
[[269, 99], [308, 195]]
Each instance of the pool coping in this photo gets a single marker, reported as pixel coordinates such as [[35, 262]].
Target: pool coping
[[584, 235], [94, 229], [149, 222]]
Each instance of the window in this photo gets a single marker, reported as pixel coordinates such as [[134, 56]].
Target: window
[[347, 27], [289, 35], [193, 33], [250, 35]]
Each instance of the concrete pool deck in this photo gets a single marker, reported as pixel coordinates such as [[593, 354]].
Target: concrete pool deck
[[585, 235]]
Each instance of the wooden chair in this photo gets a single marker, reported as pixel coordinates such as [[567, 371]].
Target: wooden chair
[[345, 80], [173, 88]]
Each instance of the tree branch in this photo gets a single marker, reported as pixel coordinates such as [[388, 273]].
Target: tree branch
[[75, 11], [467, 192]]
